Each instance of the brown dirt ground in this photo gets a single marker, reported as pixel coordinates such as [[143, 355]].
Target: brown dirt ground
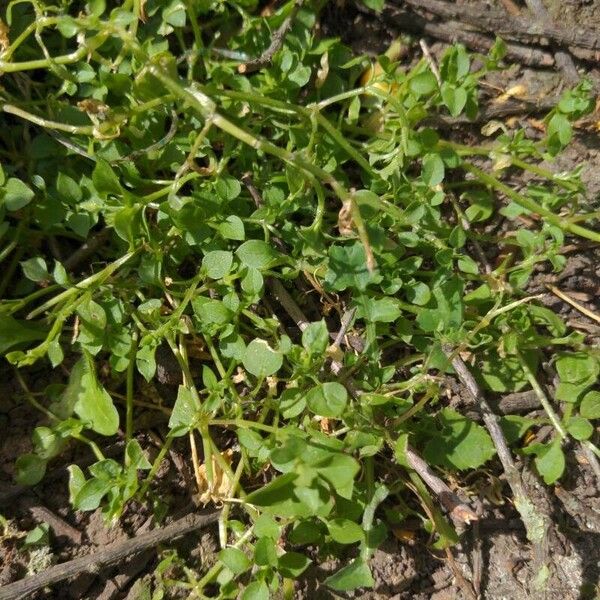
[[402, 568]]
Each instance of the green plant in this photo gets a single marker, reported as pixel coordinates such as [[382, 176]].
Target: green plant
[[126, 123]]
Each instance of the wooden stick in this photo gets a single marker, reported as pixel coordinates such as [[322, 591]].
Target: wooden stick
[[537, 525], [430, 61], [107, 556], [277, 42]]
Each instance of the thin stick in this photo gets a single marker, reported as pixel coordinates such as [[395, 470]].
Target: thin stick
[[430, 61], [344, 324], [276, 43], [536, 523], [582, 309], [247, 181], [107, 556], [457, 509]]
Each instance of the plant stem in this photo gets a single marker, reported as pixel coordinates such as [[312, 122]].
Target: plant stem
[[130, 384], [530, 204], [46, 123]]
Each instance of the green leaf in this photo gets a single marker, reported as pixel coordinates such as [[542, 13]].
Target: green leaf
[[481, 205], [228, 188], [418, 293], [355, 575], [211, 313], [265, 526], [279, 498], [462, 443], [146, 362], [136, 456], [76, 482], [305, 532], [184, 412], [550, 462], [261, 360], [505, 374], [580, 428], [577, 367], [454, 98], [300, 75], [104, 179], [467, 265], [376, 5], [265, 554], [93, 316], [16, 194], [385, 310], [13, 333], [235, 560], [47, 443], [345, 531], [339, 470], [257, 590], [38, 536], [217, 263], [91, 493], [127, 223], [327, 399], [347, 267], [590, 406], [256, 254], [93, 403], [293, 564], [175, 13], [315, 338], [35, 269], [232, 228], [560, 127], [577, 371], [423, 84], [68, 188], [433, 169], [449, 308], [515, 427], [29, 469]]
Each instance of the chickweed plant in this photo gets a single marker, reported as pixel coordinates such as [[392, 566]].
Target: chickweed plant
[[155, 195]]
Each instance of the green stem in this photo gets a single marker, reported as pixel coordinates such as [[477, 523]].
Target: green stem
[[130, 390], [96, 278], [539, 392], [46, 123], [43, 63], [155, 466], [530, 204]]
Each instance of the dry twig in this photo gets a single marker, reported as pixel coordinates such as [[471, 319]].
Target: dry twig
[[536, 524], [582, 309], [278, 38], [107, 556]]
